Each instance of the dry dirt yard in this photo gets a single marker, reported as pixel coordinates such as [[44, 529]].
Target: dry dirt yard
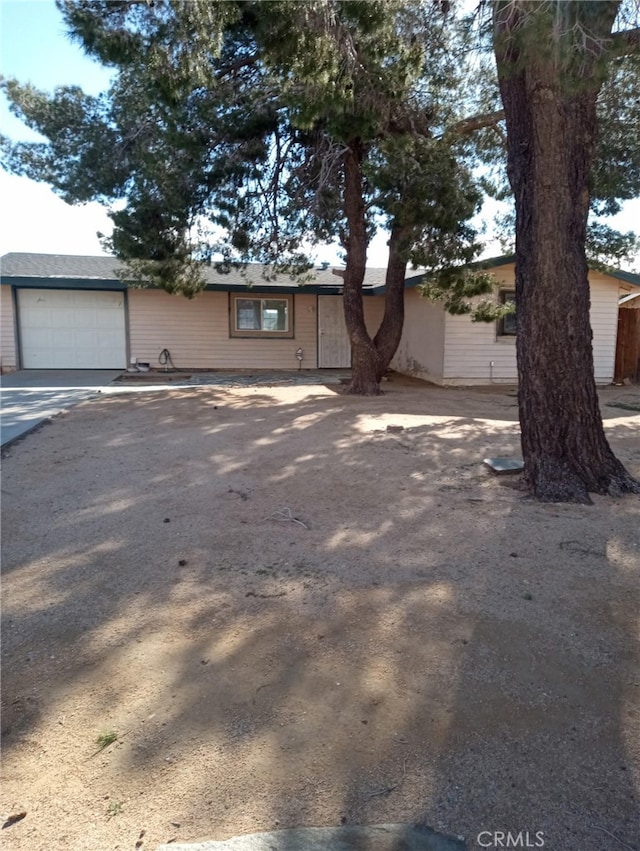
[[291, 616]]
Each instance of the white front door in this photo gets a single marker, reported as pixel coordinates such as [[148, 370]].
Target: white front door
[[72, 329], [334, 350]]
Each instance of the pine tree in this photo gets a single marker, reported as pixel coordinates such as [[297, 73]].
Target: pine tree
[[248, 130], [552, 60]]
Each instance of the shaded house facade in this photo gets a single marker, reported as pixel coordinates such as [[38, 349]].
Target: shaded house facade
[[71, 312], [454, 351]]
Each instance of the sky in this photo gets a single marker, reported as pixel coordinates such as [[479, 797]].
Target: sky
[[35, 48]]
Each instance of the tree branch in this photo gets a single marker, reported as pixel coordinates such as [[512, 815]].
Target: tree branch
[[626, 42], [476, 122], [239, 64]]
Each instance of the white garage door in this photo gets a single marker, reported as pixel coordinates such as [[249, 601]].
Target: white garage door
[[72, 329]]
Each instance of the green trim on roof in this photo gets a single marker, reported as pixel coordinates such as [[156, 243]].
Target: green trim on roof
[[105, 284], [492, 262], [507, 259], [278, 289], [64, 283], [488, 263], [66, 265], [618, 274], [628, 277]]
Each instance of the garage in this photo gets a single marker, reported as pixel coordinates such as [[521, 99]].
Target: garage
[[72, 329]]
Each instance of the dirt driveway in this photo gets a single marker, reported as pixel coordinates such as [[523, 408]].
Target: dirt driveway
[[292, 616]]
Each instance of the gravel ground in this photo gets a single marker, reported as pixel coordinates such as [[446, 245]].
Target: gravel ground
[[290, 616]]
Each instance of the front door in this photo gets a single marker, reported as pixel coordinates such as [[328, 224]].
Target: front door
[[334, 350]]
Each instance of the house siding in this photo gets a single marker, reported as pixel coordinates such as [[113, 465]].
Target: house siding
[[8, 347], [373, 313], [471, 347], [604, 323], [196, 333], [421, 349]]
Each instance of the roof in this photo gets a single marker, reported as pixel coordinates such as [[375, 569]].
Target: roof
[[506, 259], [618, 274], [20, 267], [628, 277], [93, 271]]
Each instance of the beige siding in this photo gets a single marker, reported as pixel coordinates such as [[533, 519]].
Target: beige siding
[[373, 312], [472, 347], [421, 349], [196, 332], [8, 353], [604, 322], [475, 355]]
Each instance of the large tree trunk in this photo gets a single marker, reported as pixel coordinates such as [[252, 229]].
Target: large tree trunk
[[551, 131], [370, 358]]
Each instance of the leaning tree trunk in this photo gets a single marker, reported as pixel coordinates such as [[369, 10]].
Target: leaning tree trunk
[[551, 131], [370, 358]]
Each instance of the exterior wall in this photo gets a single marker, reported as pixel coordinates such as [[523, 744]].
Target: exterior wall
[[471, 347], [373, 313], [604, 322], [421, 349], [8, 347], [196, 332]]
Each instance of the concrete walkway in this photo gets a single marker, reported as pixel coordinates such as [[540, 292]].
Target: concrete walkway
[[379, 837], [30, 396]]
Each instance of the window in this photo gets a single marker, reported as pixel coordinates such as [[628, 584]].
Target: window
[[507, 325], [261, 317]]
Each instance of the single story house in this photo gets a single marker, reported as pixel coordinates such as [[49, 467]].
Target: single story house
[[72, 312]]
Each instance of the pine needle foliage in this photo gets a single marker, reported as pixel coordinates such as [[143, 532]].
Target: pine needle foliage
[[224, 132]]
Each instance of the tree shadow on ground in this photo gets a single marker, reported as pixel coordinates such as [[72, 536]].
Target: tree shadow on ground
[[294, 617]]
